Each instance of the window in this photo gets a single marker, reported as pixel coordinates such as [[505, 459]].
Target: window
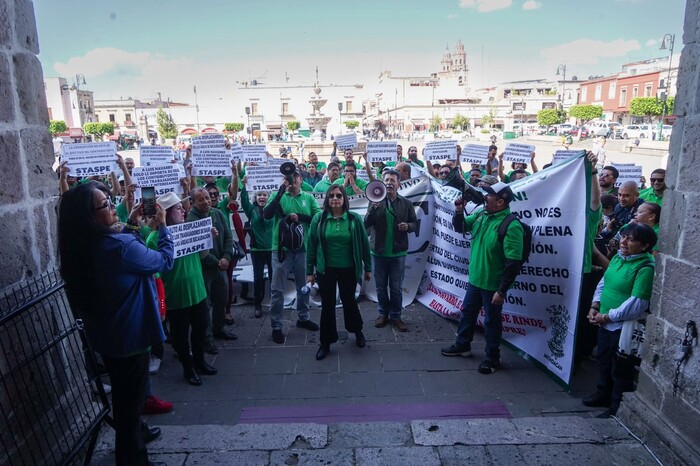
[[635, 91], [127, 117], [111, 118], [584, 93], [254, 108], [623, 97], [612, 90], [285, 108], [598, 91], [647, 90], [348, 106]]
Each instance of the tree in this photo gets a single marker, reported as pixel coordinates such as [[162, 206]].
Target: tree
[[98, 129], [293, 125], [234, 127], [57, 127], [460, 121], [586, 113], [549, 116], [166, 125], [351, 124], [435, 123], [650, 106]]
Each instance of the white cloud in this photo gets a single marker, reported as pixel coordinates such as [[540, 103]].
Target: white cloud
[[452, 16], [532, 5], [588, 51], [652, 42], [485, 6]]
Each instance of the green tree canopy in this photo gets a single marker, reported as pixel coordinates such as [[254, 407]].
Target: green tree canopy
[[236, 127], [57, 127], [351, 124], [435, 123], [586, 113], [98, 129], [650, 106], [460, 121], [166, 125], [293, 125], [549, 116]]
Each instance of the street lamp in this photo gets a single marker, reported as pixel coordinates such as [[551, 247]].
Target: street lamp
[[196, 107], [671, 38], [562, 69], [247, 113], [340, 117]]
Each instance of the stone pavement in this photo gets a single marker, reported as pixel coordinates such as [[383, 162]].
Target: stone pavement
[[368, 405]]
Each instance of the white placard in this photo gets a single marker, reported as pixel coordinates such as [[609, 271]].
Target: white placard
[[165, 178], [277, 162], [90, 158], [346, 141], [628, 172], [475, 153], [441, 150], [381, 151], [256, 153], [518, 153], [155, 155], [562, 155], [210, 156], [362, 174], [191, 237], [236, 152], [263, 178]]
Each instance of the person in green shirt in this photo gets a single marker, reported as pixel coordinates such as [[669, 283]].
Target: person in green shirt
[[320, 166], [331, 177], [493, 267], [336, 249], [621, 299], [350, 182], [655, 193], [260, 243], [349, 159]]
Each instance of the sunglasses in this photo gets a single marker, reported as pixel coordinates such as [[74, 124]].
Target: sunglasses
[[106, 205], [335, 196], [444, 173], [657, 180]]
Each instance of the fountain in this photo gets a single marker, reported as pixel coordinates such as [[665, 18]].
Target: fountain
[[317, 122]]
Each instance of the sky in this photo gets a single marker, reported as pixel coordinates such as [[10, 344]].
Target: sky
[[135, 48]]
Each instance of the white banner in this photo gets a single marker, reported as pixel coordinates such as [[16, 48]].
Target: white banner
[[628, 172], [191, 237], [381, 151], [165, 178], [475, 153], [346, 141], [563, 155], [155, 155], [210, 156], [263, 178], [90, 158], [441, 150], [256, 153], [518, 153]]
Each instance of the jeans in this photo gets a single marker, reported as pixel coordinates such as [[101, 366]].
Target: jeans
[[388, 272], [260, 259], [474, 299], [216, 283], [617, 372], [294, 262], [346, 281], [180, 322]]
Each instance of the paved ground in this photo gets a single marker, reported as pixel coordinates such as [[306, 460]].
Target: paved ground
[[396, 381]]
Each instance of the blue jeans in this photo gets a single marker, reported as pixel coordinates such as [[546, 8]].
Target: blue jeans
[[388, 272], [294, 262], [493, 326]]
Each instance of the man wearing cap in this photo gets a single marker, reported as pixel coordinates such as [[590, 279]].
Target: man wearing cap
[[493, 267], [296, 207]]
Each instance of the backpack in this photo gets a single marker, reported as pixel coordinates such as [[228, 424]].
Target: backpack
[[527, 234], [291, 235]]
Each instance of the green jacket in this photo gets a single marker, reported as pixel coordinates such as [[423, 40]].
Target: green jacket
[[316, 248], [223, 243], [261, 229]]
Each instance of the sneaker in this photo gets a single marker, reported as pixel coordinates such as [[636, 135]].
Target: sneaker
[[488, 366], [308, 325], [155, 405], [278, 336], [400, 325], [381, 321], [210, 348], [153, 365], [455, 350], [258, 311]]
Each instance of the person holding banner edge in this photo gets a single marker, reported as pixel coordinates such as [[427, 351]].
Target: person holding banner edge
[[494, 265]]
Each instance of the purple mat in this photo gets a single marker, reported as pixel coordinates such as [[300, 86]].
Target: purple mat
[[329, 414]]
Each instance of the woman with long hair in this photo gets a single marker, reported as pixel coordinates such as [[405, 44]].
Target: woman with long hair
[[109, 283], [337, 249]]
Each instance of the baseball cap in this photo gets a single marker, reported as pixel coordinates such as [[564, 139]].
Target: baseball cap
[[168, 200], [501, 190], [488, 179]]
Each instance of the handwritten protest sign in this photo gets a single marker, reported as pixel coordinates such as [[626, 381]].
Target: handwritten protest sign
[[210, 156], [518, 153], [263, 178], [346, 141], [441, 150], [155, 155], [256, 153], [628, 172], [88, 159], [381, 151], [562, 155], [475, 153], [191, 237], [165, 178]]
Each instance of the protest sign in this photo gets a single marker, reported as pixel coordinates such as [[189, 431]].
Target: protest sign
[[518, 153], [91, 158], [210, 156], [441, 150], [155, 155], [236, 152], [256, 153], [165, 178], [563, 155], [191, 237], [475, 153], [276, 162], [381, 151], [263, 178], [361, 174], [346, 141], [628, 172]]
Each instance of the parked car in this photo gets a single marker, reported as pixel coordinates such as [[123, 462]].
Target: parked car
[[605, 128], [666, 131], [564, 129], [638, 131]]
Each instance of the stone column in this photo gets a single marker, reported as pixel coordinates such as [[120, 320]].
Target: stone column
[[28, 187], [671, 424]]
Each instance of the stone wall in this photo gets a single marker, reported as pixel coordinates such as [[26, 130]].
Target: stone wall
[[28, 188], [671, 424]]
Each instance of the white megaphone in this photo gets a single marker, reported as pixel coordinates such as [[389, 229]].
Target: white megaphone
[[375, 191]]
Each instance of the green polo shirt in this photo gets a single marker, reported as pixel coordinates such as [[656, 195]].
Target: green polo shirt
[[389, 236], [650, 196], [338, 242], [302, 203], [624, 278], [362, 184], [592, 221], [323, 185]]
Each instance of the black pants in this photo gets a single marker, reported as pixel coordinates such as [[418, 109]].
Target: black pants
[[260, 259], [216, 283], [617, 372], [586, 334], [346, 281], [129, 378], [180, 322]]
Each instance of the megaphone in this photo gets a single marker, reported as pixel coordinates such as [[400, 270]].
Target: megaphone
[[288, 169], [469, 193], [375, 191]]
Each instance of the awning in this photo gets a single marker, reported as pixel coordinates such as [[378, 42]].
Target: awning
[[188, 131], [209, 130]]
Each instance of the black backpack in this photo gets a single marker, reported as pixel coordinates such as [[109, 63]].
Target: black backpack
[[527, 234], [291, 234]]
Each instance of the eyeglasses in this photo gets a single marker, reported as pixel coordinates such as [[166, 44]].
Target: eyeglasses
[[335, 196], [657, 180], [106, 205], [444, 173]]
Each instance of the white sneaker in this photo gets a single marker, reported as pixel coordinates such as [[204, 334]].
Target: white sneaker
[[154, 365]]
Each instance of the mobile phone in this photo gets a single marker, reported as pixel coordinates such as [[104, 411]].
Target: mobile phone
[[148, 199]]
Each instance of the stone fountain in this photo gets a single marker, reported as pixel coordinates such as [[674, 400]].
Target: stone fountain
[[317, 122]]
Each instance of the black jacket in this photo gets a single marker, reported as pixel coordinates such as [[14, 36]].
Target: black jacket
[[376, 225]]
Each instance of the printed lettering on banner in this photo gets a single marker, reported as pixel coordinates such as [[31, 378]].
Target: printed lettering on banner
[[263, 178], [562, 155], [518, 153], [441, 150], [155, 155], [89, 159], [475, 153], [362, 174], [381, 151], [628, 172], [256, 153], [210, 156], [346, 141], [236, 152], [192, 237], [165, 178]]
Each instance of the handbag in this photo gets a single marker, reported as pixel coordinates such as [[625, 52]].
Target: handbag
[[238, 251], [632, 336]]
